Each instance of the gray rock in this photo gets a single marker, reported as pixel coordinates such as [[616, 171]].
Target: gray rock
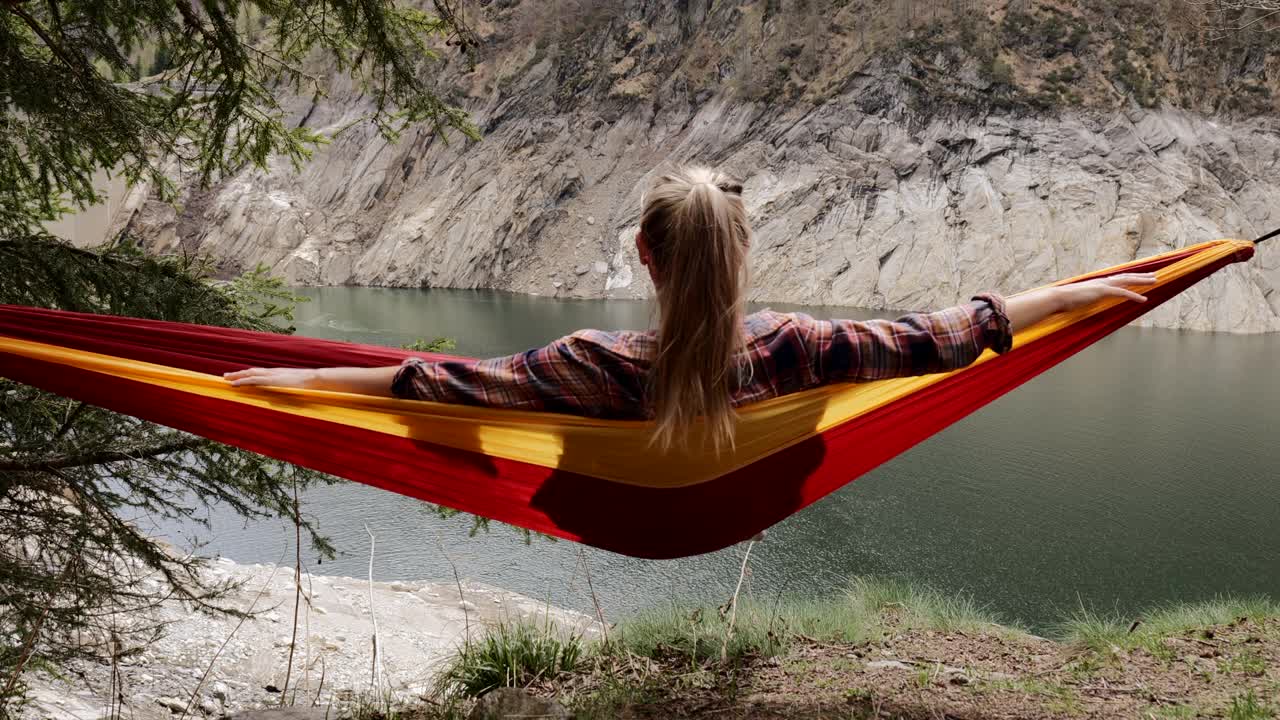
[[581, 270], [220, 691], [511, 703], [173, 705], [853, 203]]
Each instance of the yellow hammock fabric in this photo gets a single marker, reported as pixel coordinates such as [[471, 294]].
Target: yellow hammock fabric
[[541, 470]]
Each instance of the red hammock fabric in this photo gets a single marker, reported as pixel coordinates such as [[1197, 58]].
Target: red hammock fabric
[[651, 522]]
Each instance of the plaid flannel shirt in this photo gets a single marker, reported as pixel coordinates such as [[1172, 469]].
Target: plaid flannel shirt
[[604, 374]]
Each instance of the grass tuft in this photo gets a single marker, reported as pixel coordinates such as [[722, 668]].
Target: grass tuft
[[1173, 712], [1096, 632], [696, 634], [1248, 706], [510, 655], [917, 607]]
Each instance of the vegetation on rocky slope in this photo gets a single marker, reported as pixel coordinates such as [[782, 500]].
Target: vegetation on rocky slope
[[1011, 55]]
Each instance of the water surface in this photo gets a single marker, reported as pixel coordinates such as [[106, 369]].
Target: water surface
[[1141, 471]]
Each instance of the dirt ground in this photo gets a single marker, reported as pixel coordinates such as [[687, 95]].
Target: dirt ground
[[1230, 671]]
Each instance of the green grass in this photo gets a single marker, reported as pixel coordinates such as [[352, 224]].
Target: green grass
[[1101, 633], [1057, 697], [1173, 712], [510, 655], [613, 693], [1249, 706], [925, 676], [1246, 661], [860, 614]]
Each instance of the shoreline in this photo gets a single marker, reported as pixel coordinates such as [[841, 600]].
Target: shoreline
[[419, 625], [1144, 322]]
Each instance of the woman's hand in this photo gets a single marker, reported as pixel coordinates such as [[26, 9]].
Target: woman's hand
[[275, 377], [1078, 295]]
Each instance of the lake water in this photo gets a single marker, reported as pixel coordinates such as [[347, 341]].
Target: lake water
[[1144, 470]]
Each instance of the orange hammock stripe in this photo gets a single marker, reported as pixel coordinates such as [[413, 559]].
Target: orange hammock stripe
[[525, 459]]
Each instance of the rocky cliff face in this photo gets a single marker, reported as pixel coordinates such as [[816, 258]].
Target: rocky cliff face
[[884, 176]]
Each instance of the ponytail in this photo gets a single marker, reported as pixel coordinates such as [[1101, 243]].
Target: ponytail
[[696, 227]]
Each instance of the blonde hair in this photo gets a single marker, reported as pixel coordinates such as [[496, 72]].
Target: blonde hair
[[696, 229]]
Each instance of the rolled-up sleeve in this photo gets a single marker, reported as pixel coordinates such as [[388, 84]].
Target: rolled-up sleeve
[[916, 344]]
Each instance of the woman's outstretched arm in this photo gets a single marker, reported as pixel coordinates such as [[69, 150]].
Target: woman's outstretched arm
[[563, 376], [925, 343], [365, 381]]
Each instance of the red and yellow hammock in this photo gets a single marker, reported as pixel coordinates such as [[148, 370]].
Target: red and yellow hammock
[[592, 481]]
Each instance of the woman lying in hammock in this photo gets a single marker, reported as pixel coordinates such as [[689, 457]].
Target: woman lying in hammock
[[706, 358]]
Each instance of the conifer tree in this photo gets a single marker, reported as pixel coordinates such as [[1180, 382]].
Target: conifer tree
[[80, 486]]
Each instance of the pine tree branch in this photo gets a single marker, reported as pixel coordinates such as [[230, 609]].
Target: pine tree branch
[[193, 21], [55, 14], [71, 418], [30, 642], [101, 457], [38, 29]]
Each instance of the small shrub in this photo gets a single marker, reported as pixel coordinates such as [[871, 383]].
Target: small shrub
[[1078, 38], [1000, 73], [1048, 36], [1142, 83]]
